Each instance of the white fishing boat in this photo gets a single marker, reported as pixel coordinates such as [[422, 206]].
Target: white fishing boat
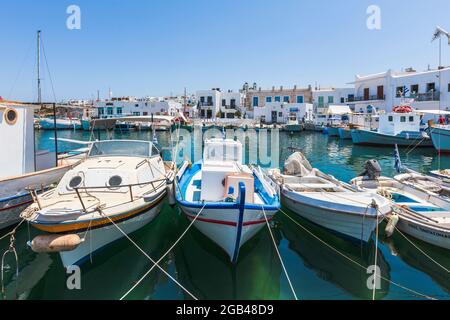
[[293, 124], [328, 202], [22, 169], [418, 212], [120, 187], [61, 124], [443, 174], [401, 127], [231, 199]]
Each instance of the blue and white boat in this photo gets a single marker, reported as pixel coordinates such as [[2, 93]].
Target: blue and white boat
[[345, 133], [440, 135], [232, 200], [402, 129]]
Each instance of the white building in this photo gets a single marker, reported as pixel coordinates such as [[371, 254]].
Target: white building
[[130, 106], [215, 103], [280, 112], [426, 90], [322, 98]]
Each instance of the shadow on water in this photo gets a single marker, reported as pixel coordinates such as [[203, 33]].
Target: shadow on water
[[330, 265], [207, 272]]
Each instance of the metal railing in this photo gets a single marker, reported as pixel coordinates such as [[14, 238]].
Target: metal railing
[[367, 98]]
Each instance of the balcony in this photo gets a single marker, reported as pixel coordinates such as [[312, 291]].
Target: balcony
[[369, 98], [423, 97], [206, 104]]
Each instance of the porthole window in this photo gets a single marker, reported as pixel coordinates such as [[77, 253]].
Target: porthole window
[[75, 182], [115, 181], [11, 116]]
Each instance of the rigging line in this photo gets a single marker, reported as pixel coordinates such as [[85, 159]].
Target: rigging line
[[164, 255], [355, 262], [426, 255], [20, 72], [13, 230], [48, 70], [146, 255], [279, 255]]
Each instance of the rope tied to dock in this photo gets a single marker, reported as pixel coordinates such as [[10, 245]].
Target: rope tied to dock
[[279, 255], [155, 264], [12, 250], [164, 255]]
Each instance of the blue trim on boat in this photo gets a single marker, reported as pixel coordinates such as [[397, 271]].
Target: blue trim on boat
[[239, 222], [15, 197]]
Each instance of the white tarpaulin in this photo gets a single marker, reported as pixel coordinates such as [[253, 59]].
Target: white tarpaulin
[[436, 112], [338, 110]]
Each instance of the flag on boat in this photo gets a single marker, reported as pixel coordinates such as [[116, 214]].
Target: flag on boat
[[397, 161]]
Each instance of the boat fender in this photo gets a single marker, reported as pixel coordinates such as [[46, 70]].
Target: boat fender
[[171, 194], [390, 227], [55, 243]]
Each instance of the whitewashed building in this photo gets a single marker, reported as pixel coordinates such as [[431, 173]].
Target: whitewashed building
[[130, 106], [217, 104], [425, 90], [322, 98], [280, 112]]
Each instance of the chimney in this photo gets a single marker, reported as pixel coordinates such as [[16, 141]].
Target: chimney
[[273, 88], [281, 88], [295, 87]]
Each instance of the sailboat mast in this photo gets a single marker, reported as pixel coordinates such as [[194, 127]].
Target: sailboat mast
[[39, 65]]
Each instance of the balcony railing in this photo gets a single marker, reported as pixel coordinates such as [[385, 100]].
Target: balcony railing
[[206, 104], [421, 97], [369, 98]]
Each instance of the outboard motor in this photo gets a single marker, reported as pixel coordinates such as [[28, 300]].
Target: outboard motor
[[372, 170]]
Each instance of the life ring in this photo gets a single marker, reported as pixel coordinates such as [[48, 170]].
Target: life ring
[[402, 109]]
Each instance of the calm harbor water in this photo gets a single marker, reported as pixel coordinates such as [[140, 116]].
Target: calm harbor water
[[316, 271]]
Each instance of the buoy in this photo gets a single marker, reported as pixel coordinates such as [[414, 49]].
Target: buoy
[[55, 243], [171, 194], [390, 227]]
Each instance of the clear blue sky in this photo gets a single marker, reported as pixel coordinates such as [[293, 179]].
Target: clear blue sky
[[158, 47]]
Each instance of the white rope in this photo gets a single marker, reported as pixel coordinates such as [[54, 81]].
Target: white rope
[[163, 256], [279, 255], [426, 255], [147, 256], [355, 262]]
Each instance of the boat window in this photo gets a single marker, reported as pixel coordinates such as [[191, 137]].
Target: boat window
[[75, 182], [11, 116], [115, 181], [402, 119], [121, 148], [411, 119], [391, 118]]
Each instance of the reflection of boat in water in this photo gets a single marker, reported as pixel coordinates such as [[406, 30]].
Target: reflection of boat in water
[[208, 274], [417, 260], [330, 265]]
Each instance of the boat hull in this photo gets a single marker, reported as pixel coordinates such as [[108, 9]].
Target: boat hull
[[97, 239], [441, 139], [433, 235], [345, 134], [222, 227], [356, 227], [372, 138], [60, 125], [333, 131], [294, 127]]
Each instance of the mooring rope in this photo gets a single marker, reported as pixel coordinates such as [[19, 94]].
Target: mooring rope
[[147, 256], [164, 255], [279, 255], [421, 251], [376, 256], [355, 262]]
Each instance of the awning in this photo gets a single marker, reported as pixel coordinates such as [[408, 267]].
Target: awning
[[339, 110], [435, 112]]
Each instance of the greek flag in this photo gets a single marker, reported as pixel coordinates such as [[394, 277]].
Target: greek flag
[[405, 91], [397, 161]]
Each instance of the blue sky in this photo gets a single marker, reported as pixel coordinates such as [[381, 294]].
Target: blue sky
[[158, 47]]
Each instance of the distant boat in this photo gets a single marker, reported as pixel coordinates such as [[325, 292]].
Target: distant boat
[[328, 202], [61, 124], [233, 200], [400, 127]]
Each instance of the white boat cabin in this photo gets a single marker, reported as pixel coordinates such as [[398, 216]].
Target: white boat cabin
[[394, 123], [222, 170], [17, 140]]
